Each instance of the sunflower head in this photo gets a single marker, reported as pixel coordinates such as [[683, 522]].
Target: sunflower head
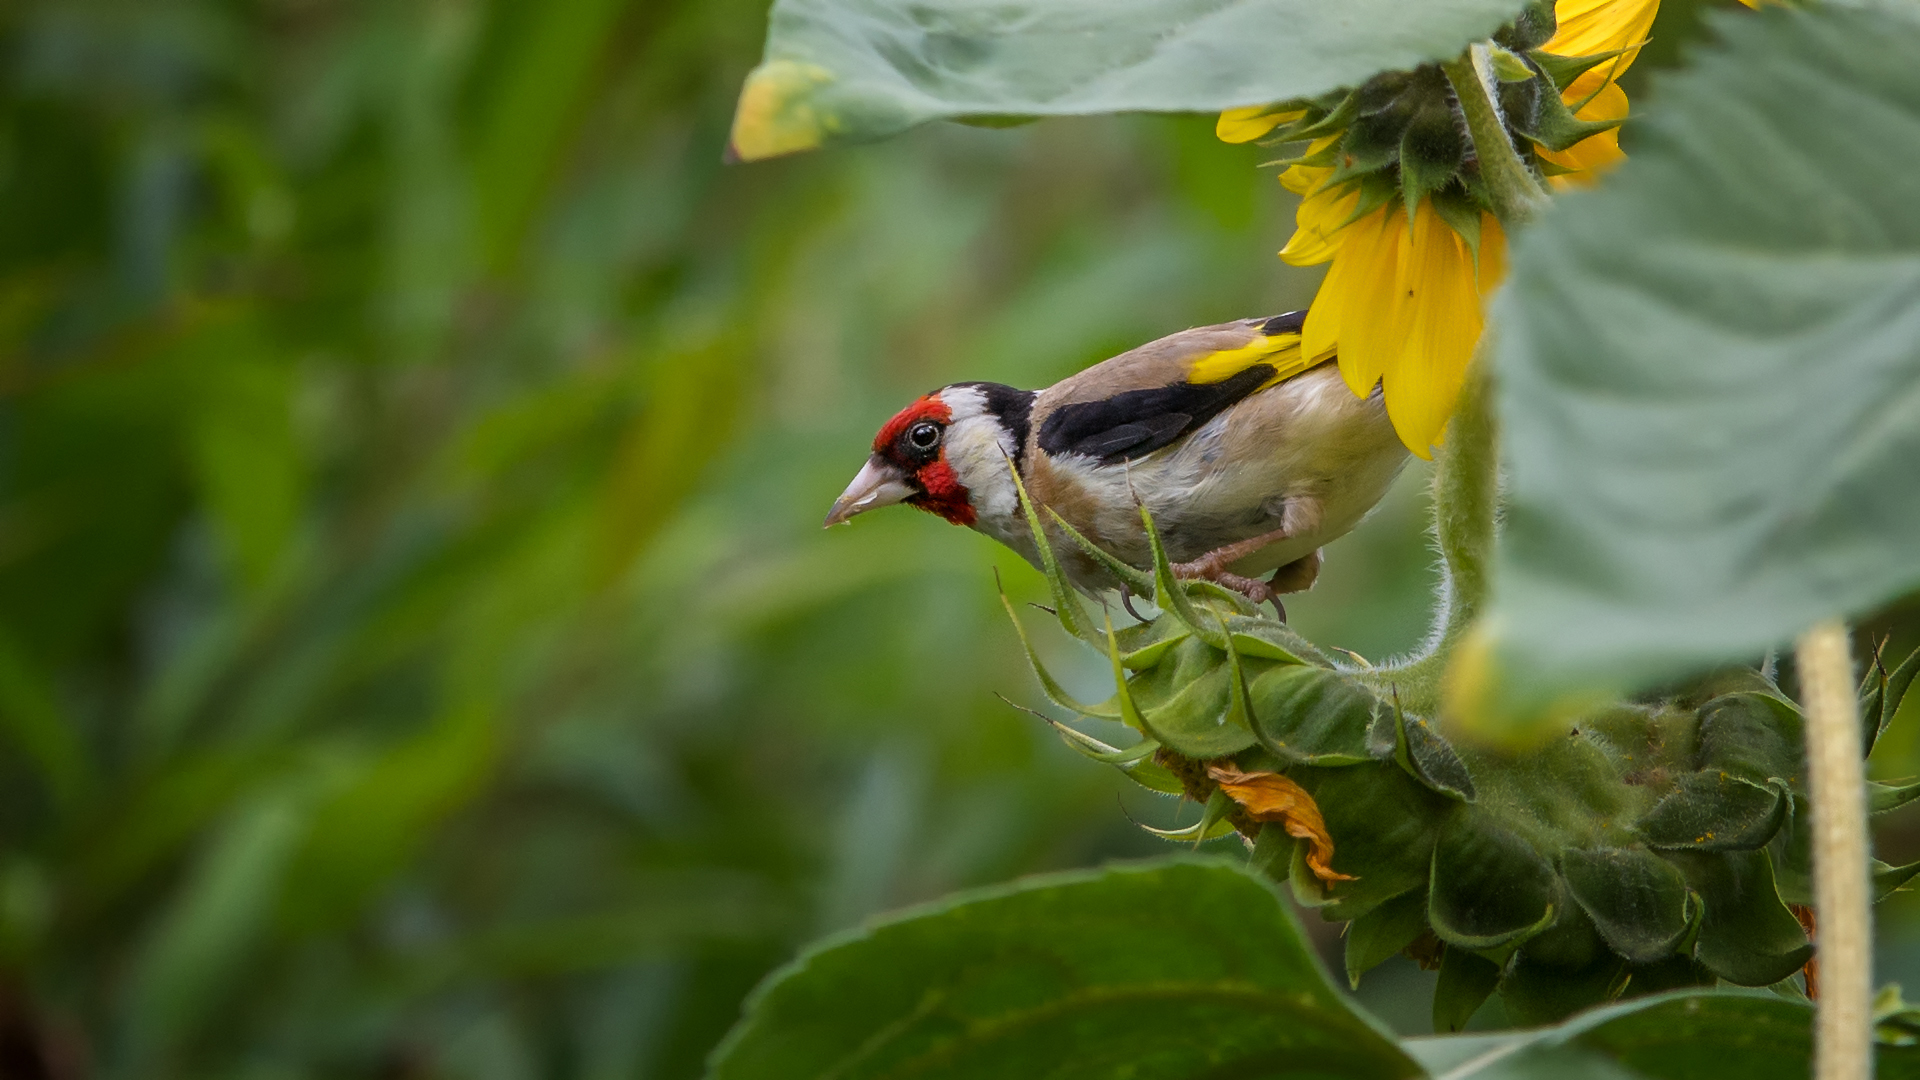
[[1399, 137], [1392, 193]]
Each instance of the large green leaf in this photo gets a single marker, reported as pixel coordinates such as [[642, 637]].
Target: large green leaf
[[1178, 968], [863, 69], [1689, 1035], [1710, 367]]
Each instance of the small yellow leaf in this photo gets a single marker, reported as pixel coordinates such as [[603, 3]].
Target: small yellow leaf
[[1272, 797], [774, 116]]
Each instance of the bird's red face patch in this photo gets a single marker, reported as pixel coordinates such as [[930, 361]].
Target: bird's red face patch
[[945, 495], [929, 408], [912, 441]]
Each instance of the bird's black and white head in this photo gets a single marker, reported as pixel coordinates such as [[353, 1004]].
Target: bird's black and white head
[[947, 453]]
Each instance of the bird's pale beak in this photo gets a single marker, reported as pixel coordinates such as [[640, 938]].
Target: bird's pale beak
[[879, 483]]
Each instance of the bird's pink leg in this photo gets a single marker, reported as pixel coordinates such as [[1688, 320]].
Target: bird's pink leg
[[1213, 565], [1301, 517]]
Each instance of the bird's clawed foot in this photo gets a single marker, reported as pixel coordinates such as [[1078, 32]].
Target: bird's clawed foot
[[1209, 568], [1297, 576]]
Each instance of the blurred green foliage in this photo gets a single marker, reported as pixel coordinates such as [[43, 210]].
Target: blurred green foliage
[[419, 656]]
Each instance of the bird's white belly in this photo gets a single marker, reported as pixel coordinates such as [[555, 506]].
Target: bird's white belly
[[1308, 455]]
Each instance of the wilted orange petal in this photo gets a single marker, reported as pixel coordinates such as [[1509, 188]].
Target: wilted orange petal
[[1272, 797]]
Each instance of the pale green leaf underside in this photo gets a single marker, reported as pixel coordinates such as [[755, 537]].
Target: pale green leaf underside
[[862, 69], [1710, 366], [1690, 1035], [1162, 971]]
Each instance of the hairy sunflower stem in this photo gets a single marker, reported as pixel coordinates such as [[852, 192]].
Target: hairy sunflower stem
[[1466, 491], [1843, 1042], [1515, 194]]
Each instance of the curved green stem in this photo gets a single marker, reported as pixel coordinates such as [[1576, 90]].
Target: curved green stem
[[1511, 187], [1466, 490]]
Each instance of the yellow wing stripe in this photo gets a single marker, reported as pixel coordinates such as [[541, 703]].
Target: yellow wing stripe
[[1281, 350]]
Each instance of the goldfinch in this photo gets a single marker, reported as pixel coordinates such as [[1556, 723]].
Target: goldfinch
[[1248, 454]]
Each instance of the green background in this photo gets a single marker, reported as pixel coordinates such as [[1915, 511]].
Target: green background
[[419, 654]]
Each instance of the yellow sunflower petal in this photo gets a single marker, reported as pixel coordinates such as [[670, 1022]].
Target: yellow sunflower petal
[[1252, 121], [1440, 293], [1363, 316], [1493, 256], [1597, 26], [1318, 226], [1303, 179]]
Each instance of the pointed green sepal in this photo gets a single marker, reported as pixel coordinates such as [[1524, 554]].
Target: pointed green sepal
[[1187, 702], [1139, 582], [1260, 648], [1239, 710], [1220, 594], [1329, 122], [1757, 737], [1884, 797], [1554, 126], [1509, 66], [1428, 758], [1466, 982], [1747, 936], [1148, 656], [1638, 902], [1272, 855], [1213, 822], [1533, 27], [1564, 69], [1461, 214], [1713, 810], [1887, 879], [1054, 691], [1432, 150], [1169, 596], [1213, 819], [1122, 695], [1489, 888], [1382, 933], [1089, 747], [1326, 157], [1271, 640], [1889, 693], [1066, 602]]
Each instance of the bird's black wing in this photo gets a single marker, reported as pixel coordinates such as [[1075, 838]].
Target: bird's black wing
[[1135, 423]]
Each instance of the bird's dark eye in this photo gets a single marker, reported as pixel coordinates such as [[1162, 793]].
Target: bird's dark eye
[[923, 435]]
